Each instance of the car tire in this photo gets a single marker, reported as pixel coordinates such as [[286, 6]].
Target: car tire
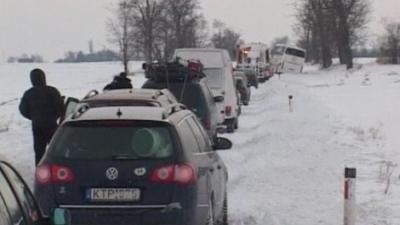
[[224, 219], [246, 103], [230, 126], [236, 124]]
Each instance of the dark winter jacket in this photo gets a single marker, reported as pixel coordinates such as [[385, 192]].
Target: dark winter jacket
[[42, 104], [119, 82]]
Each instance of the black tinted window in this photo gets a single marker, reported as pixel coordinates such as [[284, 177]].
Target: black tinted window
[[189, 94], [4, 215], [11, 202], [113, 139], [24, 194], [295, 52]]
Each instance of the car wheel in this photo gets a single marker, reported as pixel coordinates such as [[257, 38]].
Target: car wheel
[[246, 103], [230, 126], [211, 216], [224, 219], [236, 123]]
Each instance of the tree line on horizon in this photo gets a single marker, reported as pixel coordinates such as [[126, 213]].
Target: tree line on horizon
[[336, 28]]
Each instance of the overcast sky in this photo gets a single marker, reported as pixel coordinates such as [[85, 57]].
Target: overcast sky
[[52, 27]]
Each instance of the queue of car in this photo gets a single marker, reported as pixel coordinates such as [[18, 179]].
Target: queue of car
[[139, 156]]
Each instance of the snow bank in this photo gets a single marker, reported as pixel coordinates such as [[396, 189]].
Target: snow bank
[[286, 167]]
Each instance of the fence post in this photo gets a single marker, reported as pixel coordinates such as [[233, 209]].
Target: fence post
[[349, 196]]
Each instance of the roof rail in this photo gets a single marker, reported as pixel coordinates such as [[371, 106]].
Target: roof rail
[[173, 108], [91, 94]]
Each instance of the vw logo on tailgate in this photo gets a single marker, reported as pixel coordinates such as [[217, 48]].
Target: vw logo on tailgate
[[112, 173]]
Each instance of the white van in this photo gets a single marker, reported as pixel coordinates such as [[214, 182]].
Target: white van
[[218, 69], [288, 59], [255, 56]]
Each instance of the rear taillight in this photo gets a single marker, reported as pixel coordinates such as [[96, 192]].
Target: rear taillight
[[228, 110], [206, 123], [182, 174], [53, 174]]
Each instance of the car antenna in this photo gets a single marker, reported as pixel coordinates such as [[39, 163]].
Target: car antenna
[[184, 86], [166, 71]]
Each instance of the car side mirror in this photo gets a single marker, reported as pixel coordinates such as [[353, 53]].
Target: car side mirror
[[61, 217], [222, 144], [218, 99], [144, 66]]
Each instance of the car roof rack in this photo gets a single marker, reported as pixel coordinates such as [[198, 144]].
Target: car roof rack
[[178, 71], [173, 108]]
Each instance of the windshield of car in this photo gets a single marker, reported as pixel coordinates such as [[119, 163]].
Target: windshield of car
[[214, 78], [112, 139]]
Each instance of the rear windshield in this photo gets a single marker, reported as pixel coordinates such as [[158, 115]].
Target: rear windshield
[[113, 140], [214, 78], [188, 94], [295, 52]]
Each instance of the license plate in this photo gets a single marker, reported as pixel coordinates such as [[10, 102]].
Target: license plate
[[113, 194]]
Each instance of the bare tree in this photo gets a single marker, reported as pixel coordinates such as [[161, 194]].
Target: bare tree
[[121, 30], [157, 27], [328, 25], [225, 37], [320, 21], [183, 26], [314, 27], [390, 42], [351, 17], [147, 19]]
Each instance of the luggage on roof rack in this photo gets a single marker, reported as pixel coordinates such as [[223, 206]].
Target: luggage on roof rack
[[177, 70]]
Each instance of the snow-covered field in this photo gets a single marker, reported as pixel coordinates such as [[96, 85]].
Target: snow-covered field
[[286, 167]]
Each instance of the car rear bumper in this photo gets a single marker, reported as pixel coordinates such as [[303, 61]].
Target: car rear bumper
[[172, 214]]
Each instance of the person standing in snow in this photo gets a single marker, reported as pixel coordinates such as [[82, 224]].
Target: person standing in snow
[[119, 82], [43, 105]]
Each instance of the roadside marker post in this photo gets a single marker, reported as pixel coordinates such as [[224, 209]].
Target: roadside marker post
[[350, 175], [290, 103]]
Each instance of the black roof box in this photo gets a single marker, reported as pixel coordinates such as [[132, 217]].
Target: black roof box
[[178, 71]]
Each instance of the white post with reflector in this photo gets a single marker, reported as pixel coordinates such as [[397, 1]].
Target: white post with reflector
[[290, 97], [349, 196]]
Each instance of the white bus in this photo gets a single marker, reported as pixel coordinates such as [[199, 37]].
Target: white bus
[[287, 58]]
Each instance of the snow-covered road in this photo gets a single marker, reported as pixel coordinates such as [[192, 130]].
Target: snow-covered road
[[286, 167]]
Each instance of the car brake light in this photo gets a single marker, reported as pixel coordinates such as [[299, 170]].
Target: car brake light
[[228, 110], [182, 174], [54, 174], [206, 123]]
